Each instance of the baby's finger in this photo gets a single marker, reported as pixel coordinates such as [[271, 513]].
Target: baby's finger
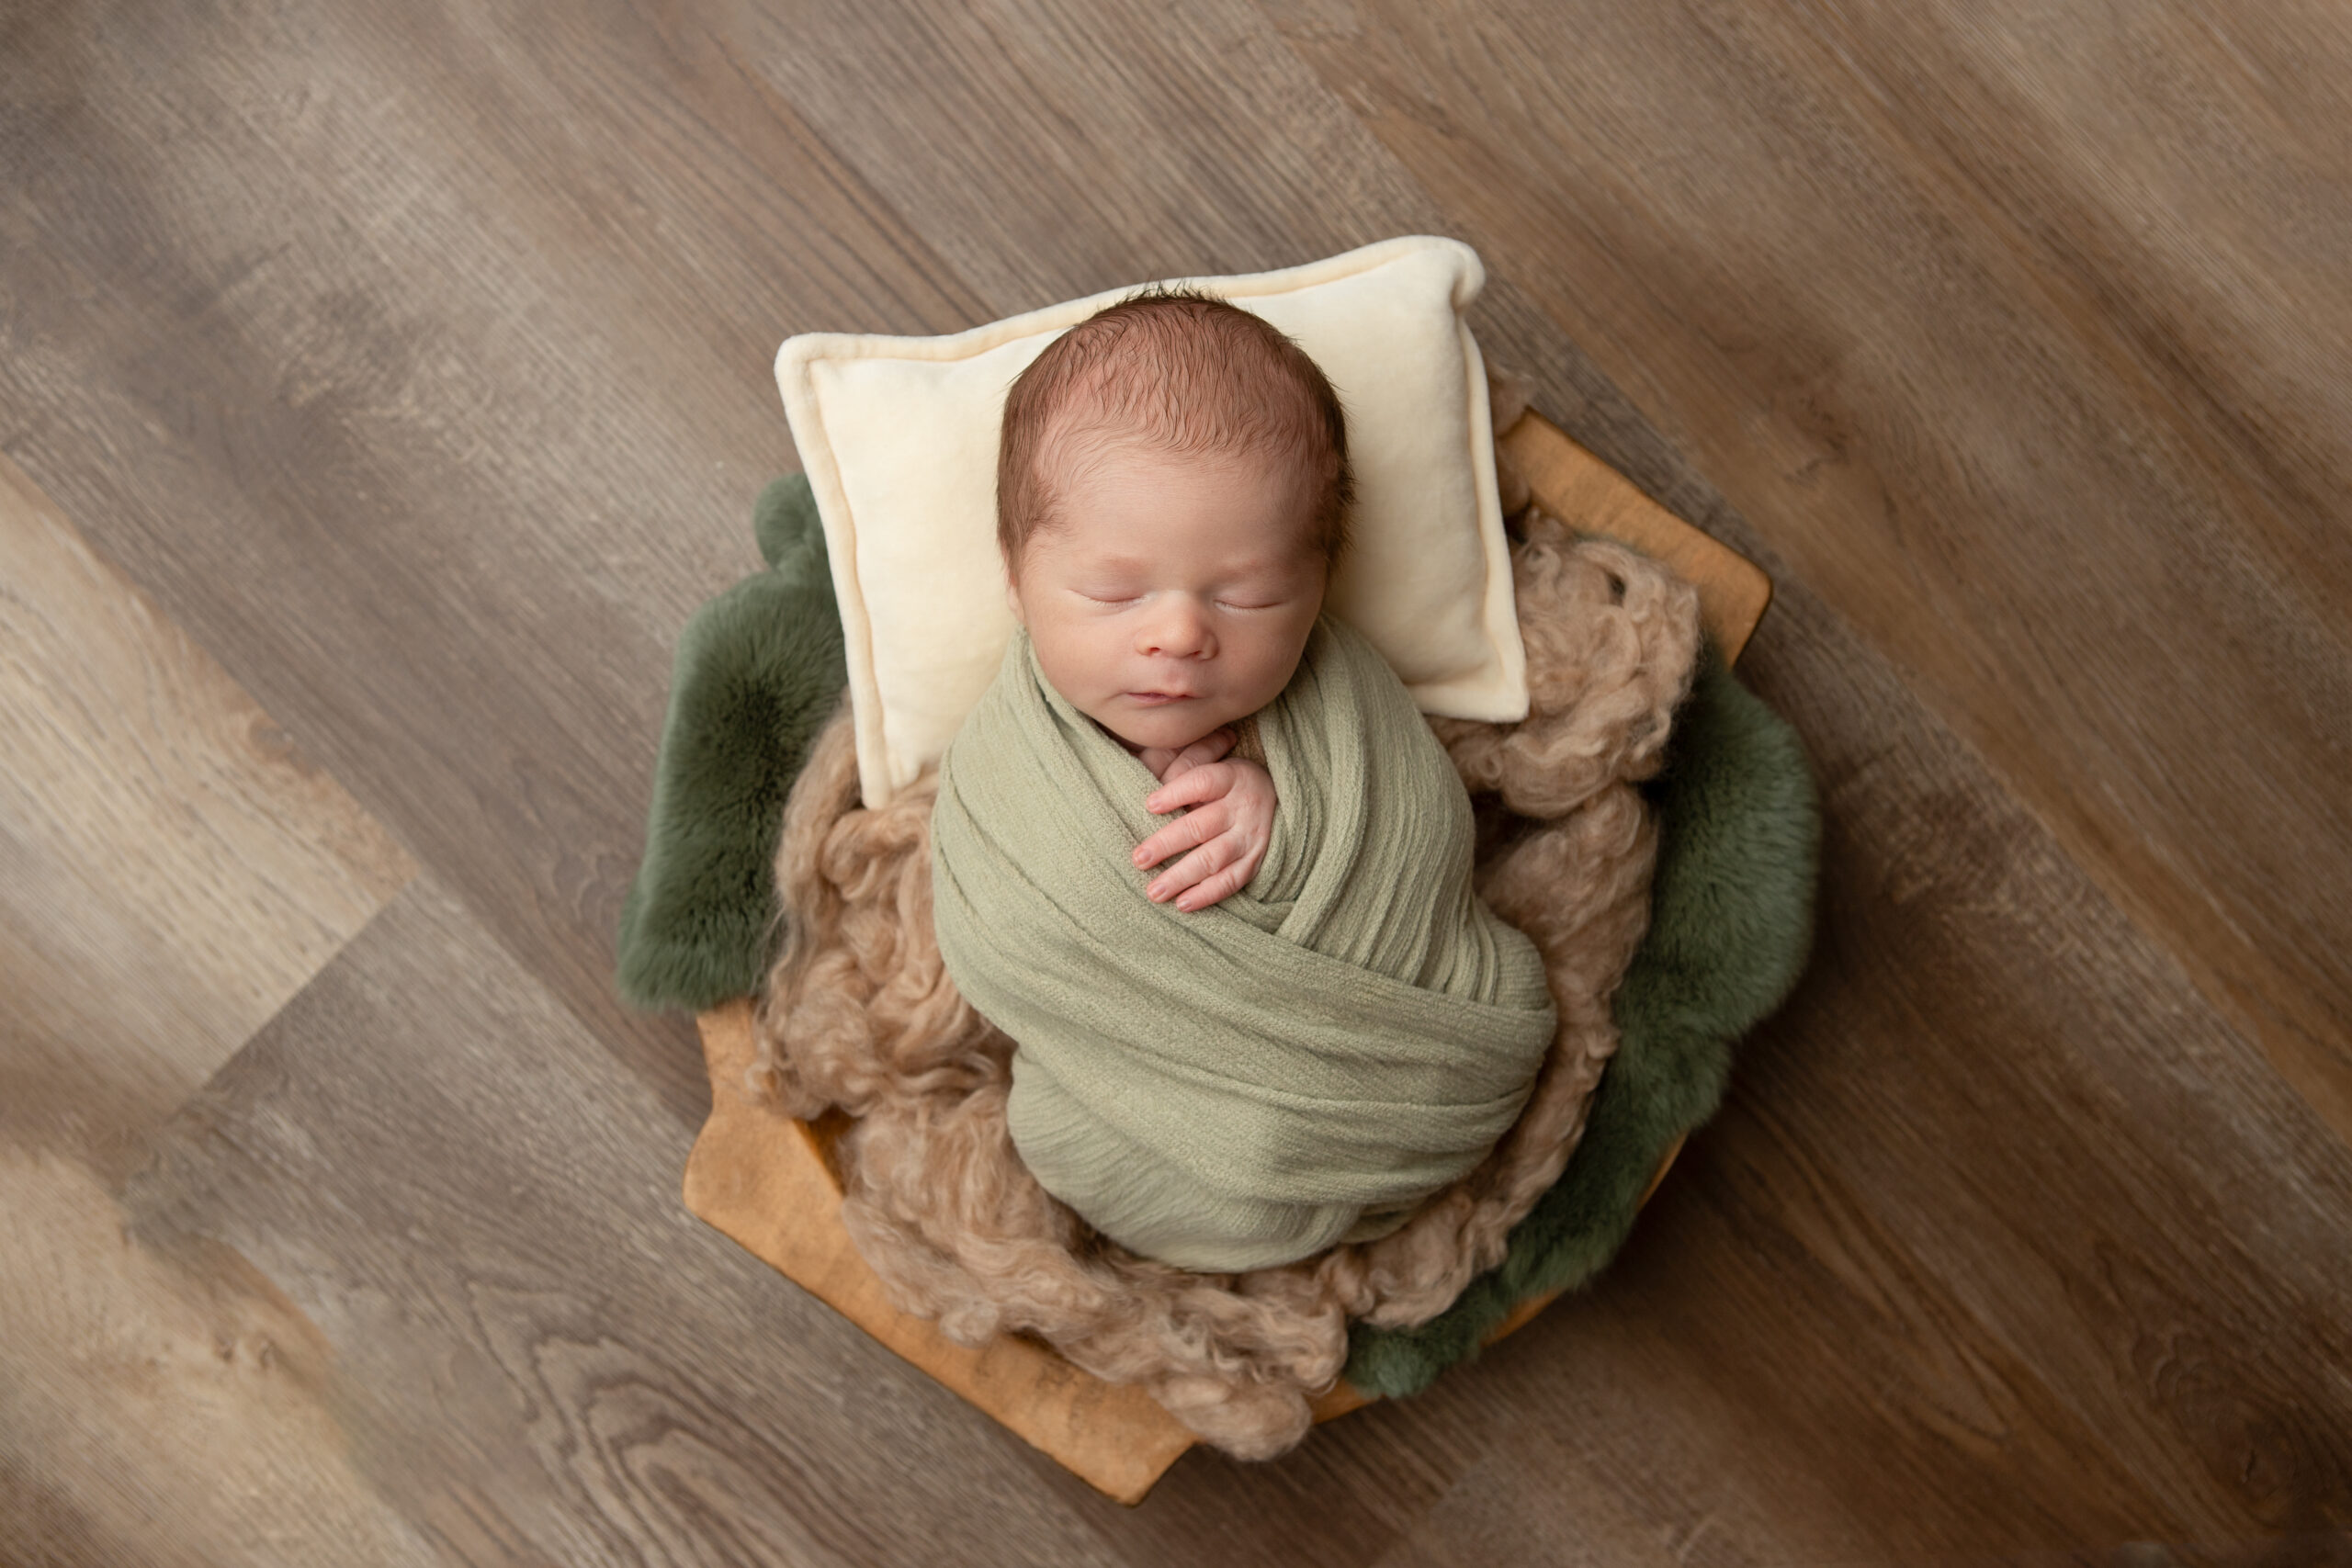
[[1199, 753], [1208, 781], [1209, 890], [1194, 828], [1180, 881], [1209, 747]]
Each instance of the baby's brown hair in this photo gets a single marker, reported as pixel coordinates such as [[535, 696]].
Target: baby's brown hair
[[1188, 373]]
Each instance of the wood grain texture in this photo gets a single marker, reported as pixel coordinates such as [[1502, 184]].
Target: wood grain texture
[[536, 1352], [171, 869], [417, 362], [414, 361], [162, 1406]]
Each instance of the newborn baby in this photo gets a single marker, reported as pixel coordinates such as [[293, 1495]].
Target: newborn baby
[[1306, 1023], [1168, 533]]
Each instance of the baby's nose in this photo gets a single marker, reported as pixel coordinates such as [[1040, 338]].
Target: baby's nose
[[1179, 630]]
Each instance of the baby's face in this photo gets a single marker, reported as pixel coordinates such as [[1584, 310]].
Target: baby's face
[[1172, 594]]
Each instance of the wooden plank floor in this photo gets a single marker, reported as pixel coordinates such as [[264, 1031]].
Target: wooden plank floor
[[385, 385]]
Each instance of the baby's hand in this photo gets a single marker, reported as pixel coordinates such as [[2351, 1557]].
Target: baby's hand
[[1228, 829], [1168, 766]]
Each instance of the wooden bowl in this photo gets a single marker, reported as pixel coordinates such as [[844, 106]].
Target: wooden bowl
[[769, 1183]]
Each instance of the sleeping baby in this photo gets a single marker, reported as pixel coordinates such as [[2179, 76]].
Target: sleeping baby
[[1196, 852]]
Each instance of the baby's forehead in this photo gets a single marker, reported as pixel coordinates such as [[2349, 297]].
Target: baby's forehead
[[1140, 509]]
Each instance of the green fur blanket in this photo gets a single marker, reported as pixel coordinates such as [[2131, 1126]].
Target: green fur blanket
[[759, 668]]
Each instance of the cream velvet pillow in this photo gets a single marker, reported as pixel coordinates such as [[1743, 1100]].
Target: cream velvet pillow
[[898, 437]]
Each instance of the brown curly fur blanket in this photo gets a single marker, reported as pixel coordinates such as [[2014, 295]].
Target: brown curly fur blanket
[[859, 1013]]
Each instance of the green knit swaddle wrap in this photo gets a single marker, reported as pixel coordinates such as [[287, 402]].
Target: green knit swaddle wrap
[[1242, 1086]]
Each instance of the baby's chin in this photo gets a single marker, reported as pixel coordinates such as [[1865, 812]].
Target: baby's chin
[[1172, 726]]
